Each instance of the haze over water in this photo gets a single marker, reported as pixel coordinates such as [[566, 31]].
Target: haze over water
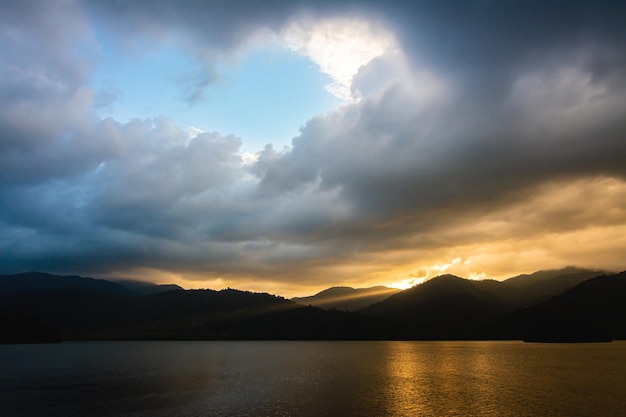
[[313, 379]]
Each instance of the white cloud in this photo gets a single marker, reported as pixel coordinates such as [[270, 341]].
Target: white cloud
[[340, 46], [193, 132], [249, 158]]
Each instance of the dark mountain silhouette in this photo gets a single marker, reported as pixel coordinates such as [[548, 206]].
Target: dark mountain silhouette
[[524, 280], [36, 307], [147, 288], [446, 307], [80, 313], [591, 311], [305, 323], [347, 298], [73, 311], [39, 281], [449, 307], [542, 285], [19, 328]]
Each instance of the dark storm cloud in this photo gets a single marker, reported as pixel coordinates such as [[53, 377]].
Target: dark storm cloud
[[495, 103], [46, 128], [393, 162], [478, 38]]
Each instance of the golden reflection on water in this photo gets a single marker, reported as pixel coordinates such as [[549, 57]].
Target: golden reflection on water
[[165, 379], [405, 377], [439, 379]]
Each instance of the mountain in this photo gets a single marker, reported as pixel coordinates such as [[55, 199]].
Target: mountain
[[308, 323], [593, 310], [83, 312], [146, 288], [347, 298], [542, 285], [37, 307], [525, 280], [446, 307], [19, 328], [449, 307], [40, 281]]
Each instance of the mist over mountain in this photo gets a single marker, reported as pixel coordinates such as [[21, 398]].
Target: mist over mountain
[[38, 307], [81, 312], [347, 298], [146, 288], [542, 285]]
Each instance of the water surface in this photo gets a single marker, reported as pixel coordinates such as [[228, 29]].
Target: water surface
[[313, 379]]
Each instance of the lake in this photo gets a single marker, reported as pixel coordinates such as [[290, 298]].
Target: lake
[[313, 379]]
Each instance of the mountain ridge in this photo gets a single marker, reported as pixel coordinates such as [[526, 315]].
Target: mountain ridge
[[446, 307], [347, 298], [42, 281]]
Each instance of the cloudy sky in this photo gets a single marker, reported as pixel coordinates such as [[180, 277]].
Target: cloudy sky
[[288, 146]]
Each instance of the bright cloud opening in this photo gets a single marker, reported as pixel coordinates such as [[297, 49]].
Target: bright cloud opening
[[406, 283], [339, 47]]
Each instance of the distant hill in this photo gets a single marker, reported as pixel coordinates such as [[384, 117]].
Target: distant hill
[[446, 307], [40, 281], [147, 288], [83, 312], [525, 280], [592, 310], [449, 307], [347, 298], [542, 285], [38, 307]]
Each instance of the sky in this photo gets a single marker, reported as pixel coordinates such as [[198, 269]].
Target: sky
[[290, 146]]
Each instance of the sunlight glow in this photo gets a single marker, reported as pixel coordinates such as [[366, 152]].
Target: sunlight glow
[[477, 276], [446, 266], [339, 47], [406, 283]]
